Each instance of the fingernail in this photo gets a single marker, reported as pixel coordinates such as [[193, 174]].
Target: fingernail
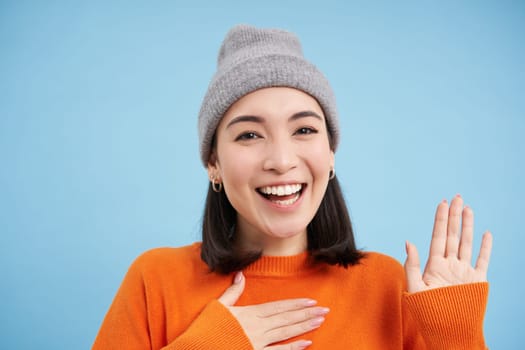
[[458, 195], [444, 201], [304, 343], [316, 322], [322, 311], [238, 278], [309, 302]]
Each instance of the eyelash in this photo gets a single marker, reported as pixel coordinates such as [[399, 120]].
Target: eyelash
[[250, 135], [306, 131]]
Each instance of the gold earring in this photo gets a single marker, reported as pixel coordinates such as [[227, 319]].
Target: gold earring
[[216, 186]]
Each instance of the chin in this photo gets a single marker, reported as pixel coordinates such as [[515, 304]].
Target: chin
[[288, 233]]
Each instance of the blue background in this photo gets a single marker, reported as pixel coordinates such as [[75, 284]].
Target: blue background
[[99, 155]]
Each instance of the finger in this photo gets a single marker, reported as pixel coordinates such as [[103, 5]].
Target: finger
[[287, 332], [482, 264], [232, 294], [278, 307], [467, 234], [296, 345], [412, 268], [439, 233], [454, 225], [292, 317]]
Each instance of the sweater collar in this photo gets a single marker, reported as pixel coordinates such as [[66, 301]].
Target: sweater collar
[[276, 266]]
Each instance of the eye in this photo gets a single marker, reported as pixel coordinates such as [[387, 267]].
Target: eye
[[247, 136], [306, 131]]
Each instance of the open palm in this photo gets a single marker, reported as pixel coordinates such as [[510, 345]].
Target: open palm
[[449, 261]]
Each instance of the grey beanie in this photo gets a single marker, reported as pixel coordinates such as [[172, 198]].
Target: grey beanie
[[253, 58]]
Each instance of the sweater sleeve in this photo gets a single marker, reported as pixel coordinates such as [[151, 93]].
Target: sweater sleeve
[[215, 328], [126, 324], [446, 318]]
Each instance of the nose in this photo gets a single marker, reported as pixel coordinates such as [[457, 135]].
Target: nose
[[280, 155]]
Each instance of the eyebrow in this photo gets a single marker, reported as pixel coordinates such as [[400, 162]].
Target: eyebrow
[[305, 114], [257, 119]]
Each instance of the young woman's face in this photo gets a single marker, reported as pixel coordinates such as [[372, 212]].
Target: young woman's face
[[273, 157]]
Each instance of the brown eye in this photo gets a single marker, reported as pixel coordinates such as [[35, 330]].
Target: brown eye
[[247, 136], [306, 131]]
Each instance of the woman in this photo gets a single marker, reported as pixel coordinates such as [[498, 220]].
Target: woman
[[277, 267]]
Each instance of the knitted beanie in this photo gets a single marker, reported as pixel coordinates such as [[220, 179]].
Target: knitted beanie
[[253, 58]]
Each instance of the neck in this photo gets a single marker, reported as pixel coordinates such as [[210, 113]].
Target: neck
[[274, 246], [285, 246]]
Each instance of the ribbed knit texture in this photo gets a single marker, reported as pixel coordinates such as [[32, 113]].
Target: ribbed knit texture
[[168, 300], [254, 58], [221, 331], [273, 266], [458, 319]]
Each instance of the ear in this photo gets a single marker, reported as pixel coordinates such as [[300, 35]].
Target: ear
[[213, 165], [332, 159]]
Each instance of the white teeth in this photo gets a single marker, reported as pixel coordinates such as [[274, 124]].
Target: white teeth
[[284, 190]]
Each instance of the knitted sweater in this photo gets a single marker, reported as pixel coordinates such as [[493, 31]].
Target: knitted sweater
[[168, 300]]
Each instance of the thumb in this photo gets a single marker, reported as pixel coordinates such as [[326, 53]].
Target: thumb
[[232, 294], [412, 268]]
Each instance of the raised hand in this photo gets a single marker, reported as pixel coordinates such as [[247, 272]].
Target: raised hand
[[449, 261], [269, 323]]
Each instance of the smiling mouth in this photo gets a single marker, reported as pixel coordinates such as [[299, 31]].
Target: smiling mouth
[[284, 195]]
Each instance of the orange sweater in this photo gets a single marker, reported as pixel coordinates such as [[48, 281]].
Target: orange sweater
[[168, 300]]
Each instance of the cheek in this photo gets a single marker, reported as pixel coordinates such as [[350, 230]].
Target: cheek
[[236, 166], [320, 159]]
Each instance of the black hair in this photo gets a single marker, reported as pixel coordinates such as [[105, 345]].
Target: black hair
[[330, 234]]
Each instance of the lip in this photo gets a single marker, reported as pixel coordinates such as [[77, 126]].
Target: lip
[[284, 183]]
